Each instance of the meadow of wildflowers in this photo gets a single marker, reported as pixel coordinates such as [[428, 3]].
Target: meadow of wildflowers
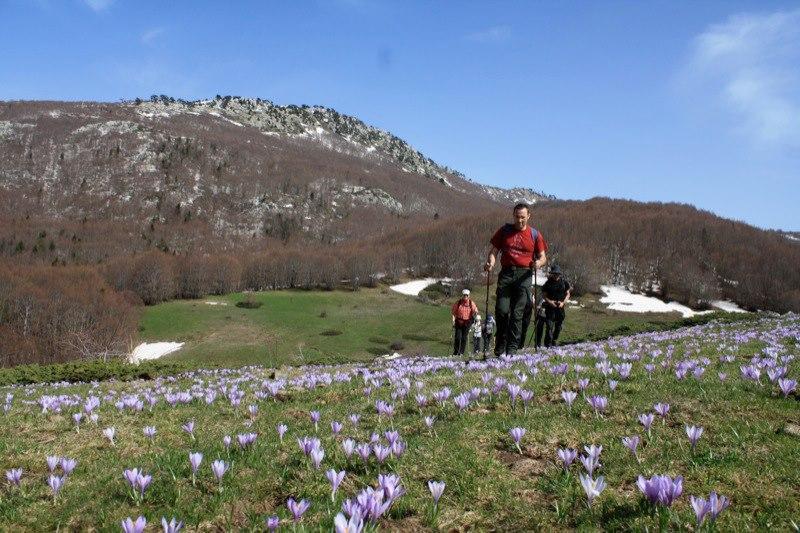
[[684, 429]]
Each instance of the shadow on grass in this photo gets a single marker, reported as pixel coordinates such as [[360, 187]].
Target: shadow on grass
[[622, 513]]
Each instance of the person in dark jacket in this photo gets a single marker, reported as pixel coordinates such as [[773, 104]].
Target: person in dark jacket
[[555, 293]]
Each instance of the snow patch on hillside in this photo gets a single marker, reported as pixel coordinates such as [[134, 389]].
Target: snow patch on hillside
[[413, 288], [153, 350], [728, 307], [621, 299]]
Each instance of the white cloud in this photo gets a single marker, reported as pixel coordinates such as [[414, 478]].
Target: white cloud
[[151, 35], [98, 5], [493, 34], [751, 64]]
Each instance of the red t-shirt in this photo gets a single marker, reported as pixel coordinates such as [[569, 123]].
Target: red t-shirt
[[517, 247]]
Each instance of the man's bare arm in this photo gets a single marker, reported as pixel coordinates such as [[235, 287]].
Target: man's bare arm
[[490, 259], [541, 260]]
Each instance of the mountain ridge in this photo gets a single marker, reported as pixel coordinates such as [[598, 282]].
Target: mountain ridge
[[243, 167]]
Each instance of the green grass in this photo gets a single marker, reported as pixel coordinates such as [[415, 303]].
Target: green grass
[[294, 327], [743, 453]]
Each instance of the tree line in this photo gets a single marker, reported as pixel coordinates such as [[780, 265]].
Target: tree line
[[55, 313]]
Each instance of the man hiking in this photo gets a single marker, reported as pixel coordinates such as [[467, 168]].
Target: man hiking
[[556, 292], [464, 310], [521, 249]]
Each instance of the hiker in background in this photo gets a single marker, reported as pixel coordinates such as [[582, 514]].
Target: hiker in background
[[489, 327], [464, 310], [476, 335], [555, 293], [521, 249]]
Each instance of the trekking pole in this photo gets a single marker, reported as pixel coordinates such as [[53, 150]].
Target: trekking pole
[[486, 310], [535, 304]]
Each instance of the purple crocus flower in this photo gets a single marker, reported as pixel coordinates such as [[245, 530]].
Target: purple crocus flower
[[14, 476], [77, 417], [173, 526], [693, 433], [55, 482], [646, 420], [68, 465], [348, 445], [436, 488], [297, 508], [567, 456], [315, 416], [218, 468], [354, 418], [590, 463], [381, 452], [598, 403], [188, 427], [282, 429], [354, 525], [517, 434], [593, 451], [226, 441], [272, 522], [632, 443], [335, 479], [336, 427], [569, 397], [317, 454], [661, 490], [592, 487], [52, 463], [583, 384], [129, 526], [662, 409], [787, 386], [149, 432], [429, 420], [461, 401], [195, 458], [364, 451]]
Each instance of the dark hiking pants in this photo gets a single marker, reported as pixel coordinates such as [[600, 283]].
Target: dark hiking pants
[[551, 324], [513, 289], [460, 338]]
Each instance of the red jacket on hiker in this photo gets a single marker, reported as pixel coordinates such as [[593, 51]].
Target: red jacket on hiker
[[463, 311]]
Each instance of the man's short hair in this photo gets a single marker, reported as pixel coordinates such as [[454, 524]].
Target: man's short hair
[[523, 205]]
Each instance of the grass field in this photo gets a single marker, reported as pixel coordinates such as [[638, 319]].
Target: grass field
[[323, 327], [747, 451]]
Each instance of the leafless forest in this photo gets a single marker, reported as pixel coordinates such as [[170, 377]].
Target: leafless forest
[[55, 309]]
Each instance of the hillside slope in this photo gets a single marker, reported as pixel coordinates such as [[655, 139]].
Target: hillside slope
[[229, 168]]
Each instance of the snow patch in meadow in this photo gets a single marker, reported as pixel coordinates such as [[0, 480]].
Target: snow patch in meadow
[[209, 302], [728, 307], [413, 288], [621, 299], [153, 350]]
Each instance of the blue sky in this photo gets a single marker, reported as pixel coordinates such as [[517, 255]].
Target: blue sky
[[695, 102]]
